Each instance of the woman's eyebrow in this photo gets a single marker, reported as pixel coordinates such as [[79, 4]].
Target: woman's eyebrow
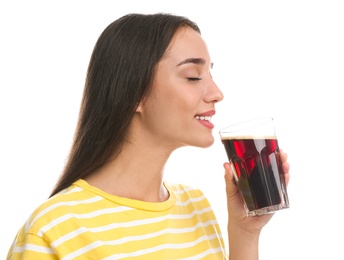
[[199, 61], [192, 60]]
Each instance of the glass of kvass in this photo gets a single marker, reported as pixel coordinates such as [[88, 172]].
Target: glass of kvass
[[252, 149]]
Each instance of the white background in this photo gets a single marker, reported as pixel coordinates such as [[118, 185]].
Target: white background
[[283, 59]]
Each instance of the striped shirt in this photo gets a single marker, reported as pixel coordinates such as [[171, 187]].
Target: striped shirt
[[83, 222]]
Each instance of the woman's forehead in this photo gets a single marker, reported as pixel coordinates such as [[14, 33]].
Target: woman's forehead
[[186, 46]]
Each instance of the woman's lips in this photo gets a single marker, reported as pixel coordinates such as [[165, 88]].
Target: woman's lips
[[205, 120]]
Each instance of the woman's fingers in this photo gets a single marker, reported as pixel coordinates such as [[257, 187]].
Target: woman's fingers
[[285, 165]]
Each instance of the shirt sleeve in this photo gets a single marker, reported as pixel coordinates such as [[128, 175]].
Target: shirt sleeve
[[31, 247]]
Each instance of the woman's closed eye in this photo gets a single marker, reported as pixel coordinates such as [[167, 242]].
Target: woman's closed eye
[[194, 78]]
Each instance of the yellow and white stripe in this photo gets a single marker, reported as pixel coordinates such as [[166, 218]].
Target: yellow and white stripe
[[84, 222]]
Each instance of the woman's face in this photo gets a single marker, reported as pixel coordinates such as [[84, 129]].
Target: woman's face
[[179, 109]]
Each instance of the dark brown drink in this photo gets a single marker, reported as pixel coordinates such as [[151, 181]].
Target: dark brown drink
[[258, 172]]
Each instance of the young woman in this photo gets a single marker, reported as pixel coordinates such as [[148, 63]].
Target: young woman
[[148, 91]]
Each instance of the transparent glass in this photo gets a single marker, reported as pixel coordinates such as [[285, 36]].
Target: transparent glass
[[252, 148]]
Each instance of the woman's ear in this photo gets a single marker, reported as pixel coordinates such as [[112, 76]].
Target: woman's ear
[[141, 104], [139, 107]]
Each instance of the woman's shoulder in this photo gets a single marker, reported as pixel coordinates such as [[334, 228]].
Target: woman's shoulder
[[180, 186], [72, 200], [184, 191]]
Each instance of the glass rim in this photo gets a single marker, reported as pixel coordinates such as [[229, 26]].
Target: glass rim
[[262, 120]]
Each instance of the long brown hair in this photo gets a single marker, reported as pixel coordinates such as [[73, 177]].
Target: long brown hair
[[119, 76]]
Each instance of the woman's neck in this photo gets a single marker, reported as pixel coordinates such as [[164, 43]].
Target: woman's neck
[[136, 173]]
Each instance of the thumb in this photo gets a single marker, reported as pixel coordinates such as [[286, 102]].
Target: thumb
[[235, 204], [231, 187]]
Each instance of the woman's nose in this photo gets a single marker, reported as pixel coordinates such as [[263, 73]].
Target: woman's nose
[[214, 93]]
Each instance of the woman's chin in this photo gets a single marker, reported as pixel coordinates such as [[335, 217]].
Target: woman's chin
[[206, 142]]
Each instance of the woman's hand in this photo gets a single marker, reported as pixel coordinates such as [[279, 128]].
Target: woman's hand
[[243, 231]]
